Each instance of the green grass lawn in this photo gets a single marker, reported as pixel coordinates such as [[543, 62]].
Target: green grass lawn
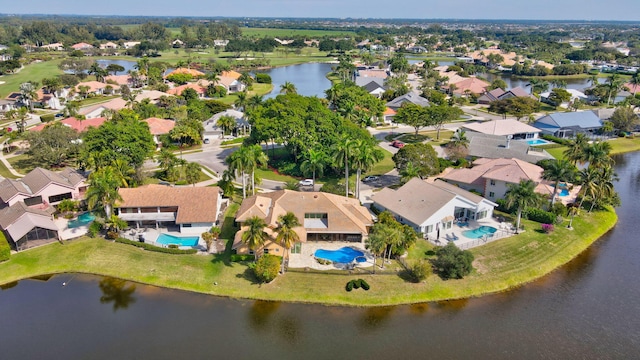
[[31, 72], [383, 166], [284, 33], [499, 266], [22, 163], [5, 173], [618, 146], [269, 174], [258, 89]]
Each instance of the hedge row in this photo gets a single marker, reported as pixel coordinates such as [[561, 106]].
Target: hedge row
[[241, 257], [540, 216], [155, 248], [556, 140], [356, 284], [5, 249]]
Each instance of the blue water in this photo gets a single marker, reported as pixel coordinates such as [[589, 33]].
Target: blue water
[[564, 192], [537, 142], [166, 239], [479, 232], [342, 255], [82, 220]]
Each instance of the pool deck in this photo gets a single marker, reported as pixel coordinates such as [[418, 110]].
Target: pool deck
[[455, 234], [306, 259], [150, 236]]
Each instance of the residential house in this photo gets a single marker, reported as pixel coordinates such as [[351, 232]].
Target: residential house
[[28, 226], [53, 47], [177, 91], [323, 216], [482, 56], [230, 84], [108, 46], [507, 127], [374, 89], [41, 186], [568, 124], [471, 85], [432, 207], [417, 49], [152, 95], [159, 127], [498, 146], [242, 123], [492, 177], [92, 87], [130, 44], [410, 97], [373, 73], [118, 80], [362, 81], [575, 95], [193, 72], [82, 46], [388, 115], [220, 43], [47, 100], [189, 210], [7, 105], [499, 94], [97, 110], [76, 124], [604, 113]]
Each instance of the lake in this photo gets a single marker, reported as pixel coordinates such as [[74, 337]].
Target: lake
[[310, 79], [588, 309]]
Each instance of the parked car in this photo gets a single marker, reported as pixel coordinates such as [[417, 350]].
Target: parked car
[[206, 141], [370, 178], [306, 182], [397, 144]]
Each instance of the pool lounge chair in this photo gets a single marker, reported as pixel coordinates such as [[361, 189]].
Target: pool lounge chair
[[455, 237]]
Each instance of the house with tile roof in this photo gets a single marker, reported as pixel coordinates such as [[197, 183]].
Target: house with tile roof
[[82, 46], [492, 177], [504, 127], [470, 85], [499, 94], [177, 91], [189, 210], [193, 72], [94, 87], [95, 111], [430, 207], [159, 127], [75, 124], [324, 217], [53, 47], [568, 124]]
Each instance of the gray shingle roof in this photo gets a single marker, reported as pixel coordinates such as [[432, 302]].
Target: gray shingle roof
[[574, 119], [411, 97], [39, 178], [494, 147]]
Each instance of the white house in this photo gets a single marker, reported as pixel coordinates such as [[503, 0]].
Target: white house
[[432, 207], [507, 127]]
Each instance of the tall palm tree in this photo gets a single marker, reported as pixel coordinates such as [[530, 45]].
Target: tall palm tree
[[314, 162], [142, 66], [588, 181], [576, 152], [288, 88], [343, 152], [614, 84], [287, 236], [558, 170], [239, 161], [409, 172], [365, 156], [241, 101], [256, 159], [28, 94], [192, 173], [635, 81], [522, 195], [254, 101], [376, 242], [226, 123], [103, 189], [597, 154], [254, 236]]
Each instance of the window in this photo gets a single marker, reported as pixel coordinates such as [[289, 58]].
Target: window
[[186, 225], [297, 248], [33, 201], [265, 251], [58, 198], [429, 229], [493, 183], [315, 216], [492, 194], [481, 215]]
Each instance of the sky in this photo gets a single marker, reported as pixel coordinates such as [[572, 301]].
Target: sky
[[414, 9]]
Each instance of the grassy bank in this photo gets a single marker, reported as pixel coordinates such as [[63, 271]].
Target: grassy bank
[[618, 146], [499, 266], [32, 72]]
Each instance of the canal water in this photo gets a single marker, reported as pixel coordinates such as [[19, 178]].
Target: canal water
[[588, 309]]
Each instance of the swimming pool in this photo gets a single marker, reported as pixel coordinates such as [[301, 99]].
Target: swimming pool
[[342, 255], [82, 220], [564, 192], [166, 239], [477, 233], [534, 142]]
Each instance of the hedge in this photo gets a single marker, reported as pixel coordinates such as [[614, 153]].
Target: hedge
[[556, 139], [47, 118], [540, 216], [5, 249], [155, 248], [262, 78]]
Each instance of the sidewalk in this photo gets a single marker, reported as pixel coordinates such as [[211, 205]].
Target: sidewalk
[[7, 164]]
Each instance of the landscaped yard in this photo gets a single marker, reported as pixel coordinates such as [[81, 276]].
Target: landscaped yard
[[32, 72], [499, 266]]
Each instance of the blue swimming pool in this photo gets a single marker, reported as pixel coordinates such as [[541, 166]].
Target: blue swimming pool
[[166, 239], [564, 192], [477, 233], [342, 255], [82, 220], [534, 142]]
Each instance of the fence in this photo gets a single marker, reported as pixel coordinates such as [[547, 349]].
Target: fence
[[464, 245]]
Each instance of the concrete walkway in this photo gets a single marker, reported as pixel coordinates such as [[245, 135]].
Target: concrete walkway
[[6, 163]]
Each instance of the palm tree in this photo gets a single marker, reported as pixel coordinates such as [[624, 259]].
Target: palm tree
[[409, 172], [182, 133], [208, 239], [557, 171], [287, 236], [593, 80], [142, 66], [103, 189], [522, 195], [376, 243], [192, 173], [342, 154], [538, 85], [124, 172], [315, 161], [614, 84], [166, 159], [635, 81], [226, 123], [256, 159], [365, 156], [575, 153], [241, 101], [573, 210], [288, 88], [254, 101], [115, 224], [459, 138], [239, 161], [597, 154], [28, 94], [254, 236]]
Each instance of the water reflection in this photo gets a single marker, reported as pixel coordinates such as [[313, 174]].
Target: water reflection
[[260, 313], [8, 286], [375, 318], [117, 292]]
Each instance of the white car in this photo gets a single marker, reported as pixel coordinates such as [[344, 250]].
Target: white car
[[370, 178], [306, 182]]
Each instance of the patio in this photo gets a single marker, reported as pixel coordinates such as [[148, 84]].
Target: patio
[[150, 236], [456, 236], [306, 257]]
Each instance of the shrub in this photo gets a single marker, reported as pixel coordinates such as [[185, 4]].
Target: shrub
[[453, 263], [94, 229], [5, 249], [47, 118], [364, 285], [349, 286], [239, 257], [262, 78], [547, 228], [540, 216], [173, 246], [112, 234], [356, 284], [155, 248], [323, 261], [420, 271], [556, 139], [559, 209], [267, 268]]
